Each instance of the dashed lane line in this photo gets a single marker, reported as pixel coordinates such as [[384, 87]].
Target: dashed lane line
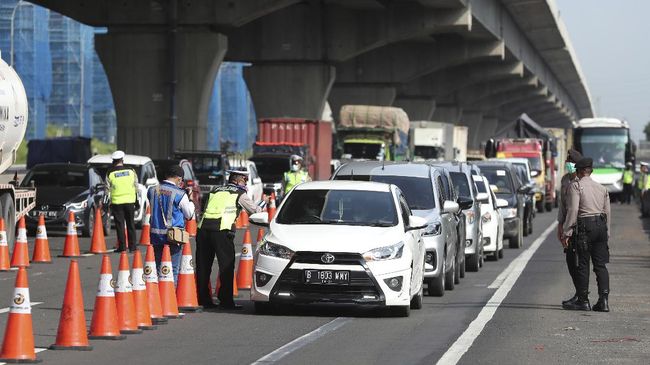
[[514, 270]]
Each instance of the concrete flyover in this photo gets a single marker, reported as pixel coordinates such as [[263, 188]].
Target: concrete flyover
[[477, 63]]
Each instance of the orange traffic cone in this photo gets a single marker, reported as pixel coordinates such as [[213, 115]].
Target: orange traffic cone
[[166, 286], [153, 294], [245, 268], [244, 219], [104, 325], [4, 247], [186, 289], [190, 226], [41, 253], [260, 236], [238, 224], [145, 238], [271, 208], [142, 314], [124, 298], [71, 245], [20, 256], [72, 323], [98, 241], [18, 344]]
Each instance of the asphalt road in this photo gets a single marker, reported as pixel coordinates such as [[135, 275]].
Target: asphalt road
[[508, 313]]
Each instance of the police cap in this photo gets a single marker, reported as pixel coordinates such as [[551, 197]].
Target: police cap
[[574, 156], [174, 171], [584, 163]]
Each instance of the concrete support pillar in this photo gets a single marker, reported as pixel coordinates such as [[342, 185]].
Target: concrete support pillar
[[360, 94], [417, 107], [291, 89], [473, 120], [486, 130], [448, 113], [140, 73]]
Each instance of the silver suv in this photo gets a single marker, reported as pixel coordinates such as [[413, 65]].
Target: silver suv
[[423, 189]]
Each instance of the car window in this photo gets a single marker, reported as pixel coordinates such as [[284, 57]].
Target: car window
[[93, 177], [404, 207], [442, 195], [253, 171], [418, 191], [56, 178], [500, 178], [187, 172], [480, 186], [461, 186], [449, 195], [345, 207]]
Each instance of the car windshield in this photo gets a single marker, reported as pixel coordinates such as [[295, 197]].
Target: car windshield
[[103, 167], [461, 185], [345, 207], [206, 164], [370, 151], [417, 190], [498, 177], [605, 145], [56, 177], [271, 169], [535, 163]]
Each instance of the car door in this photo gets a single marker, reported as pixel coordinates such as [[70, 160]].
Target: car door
[[414, 240], [448, 220]]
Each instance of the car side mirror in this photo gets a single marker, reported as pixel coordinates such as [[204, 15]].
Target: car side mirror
[[502, 203], [416, 223], [482, 198], [523, 189], [259, 219], [450, 207], [534, 173], [257, 180], [152, 181], [97, 187], [465, 203]]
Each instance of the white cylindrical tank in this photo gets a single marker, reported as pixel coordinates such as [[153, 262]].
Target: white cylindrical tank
[[13, 114]]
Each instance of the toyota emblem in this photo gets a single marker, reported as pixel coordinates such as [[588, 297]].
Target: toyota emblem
[[327, 258]]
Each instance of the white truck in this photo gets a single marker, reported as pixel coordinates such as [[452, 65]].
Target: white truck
[[14, 202], [438, 141]]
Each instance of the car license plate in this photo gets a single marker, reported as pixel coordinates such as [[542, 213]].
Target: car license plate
[[47, 214], [327, 277]]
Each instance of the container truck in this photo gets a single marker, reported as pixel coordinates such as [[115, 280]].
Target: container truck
[[14, 202], [437, 141], [366, 132]]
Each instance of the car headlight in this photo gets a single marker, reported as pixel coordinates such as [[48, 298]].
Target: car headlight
[[487, 217], [433, 229], [268, 248], [78, 205], [509, 212], [470, 216], [385, 253]]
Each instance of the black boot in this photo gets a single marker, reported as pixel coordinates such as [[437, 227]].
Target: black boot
[[571, 300], [602, 305], [581, 303]]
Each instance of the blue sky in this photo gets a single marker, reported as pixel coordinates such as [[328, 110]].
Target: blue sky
[[612, 41]]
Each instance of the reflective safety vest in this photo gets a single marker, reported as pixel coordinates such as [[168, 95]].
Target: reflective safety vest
[[647, 182], [122, 183], [640, 182], [167, 204], [292, 179], [222, 205], [628, 177]]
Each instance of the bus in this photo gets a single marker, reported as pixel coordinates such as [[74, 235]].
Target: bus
[[607, 141]]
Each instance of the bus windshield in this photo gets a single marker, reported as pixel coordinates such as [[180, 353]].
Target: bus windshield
[[606, 146]]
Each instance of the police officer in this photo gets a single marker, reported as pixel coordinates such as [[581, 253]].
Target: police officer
[[573, 156], [587, 225], [176, 205], [628, 181], [296, 175], [644, 189], [122, 185], [216, 236]]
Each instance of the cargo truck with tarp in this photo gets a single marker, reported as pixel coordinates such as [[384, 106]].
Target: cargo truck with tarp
[[366, 132]]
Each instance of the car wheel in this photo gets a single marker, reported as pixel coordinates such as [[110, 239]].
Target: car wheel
[[540, 206], [106, 219], [530, 225], [401, 311], [9, 215], [548, 206], [495, 255], [436, 286], [472, 262], [515, 242], [87, 229], [481, 259], [463, 267], [263, 308], [501, 253], [449, 276], [416, 302], [526, 224], [456, 274]]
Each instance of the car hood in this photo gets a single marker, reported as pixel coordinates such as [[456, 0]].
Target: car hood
[[58, 195], [333, 238]]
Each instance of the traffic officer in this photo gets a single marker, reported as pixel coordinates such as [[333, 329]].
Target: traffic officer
[[216, 236], [641, 179], [296, 175], [587, 224], [645, 189], [628, 181], [122, 185], [573, 156], [171, 206]]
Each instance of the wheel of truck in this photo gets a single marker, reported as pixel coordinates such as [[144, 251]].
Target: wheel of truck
[[9, 215], [516, 241], [548, 206], [540, 206]]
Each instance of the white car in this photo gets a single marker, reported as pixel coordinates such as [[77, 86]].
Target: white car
[[341, 242], [255, 185], [143, 167], [491, 218]]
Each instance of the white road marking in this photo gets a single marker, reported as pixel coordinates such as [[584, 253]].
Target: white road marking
[[302, 341], [5, 310], [516, 267]]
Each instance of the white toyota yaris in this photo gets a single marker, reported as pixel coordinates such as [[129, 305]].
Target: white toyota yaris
[[341, 242]]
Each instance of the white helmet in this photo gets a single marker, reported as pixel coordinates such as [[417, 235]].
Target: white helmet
[[117, 155]]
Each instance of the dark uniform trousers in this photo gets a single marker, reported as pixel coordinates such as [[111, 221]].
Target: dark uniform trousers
[[125, 213], [592, 244], [627, 193], [571, 263], [208, 243]]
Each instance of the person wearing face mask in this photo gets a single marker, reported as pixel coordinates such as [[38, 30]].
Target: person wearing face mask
[[570, 166], [176, 205], [296, 175], [216, 236]]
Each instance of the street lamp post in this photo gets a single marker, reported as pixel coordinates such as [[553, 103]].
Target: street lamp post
[[11, 35]]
